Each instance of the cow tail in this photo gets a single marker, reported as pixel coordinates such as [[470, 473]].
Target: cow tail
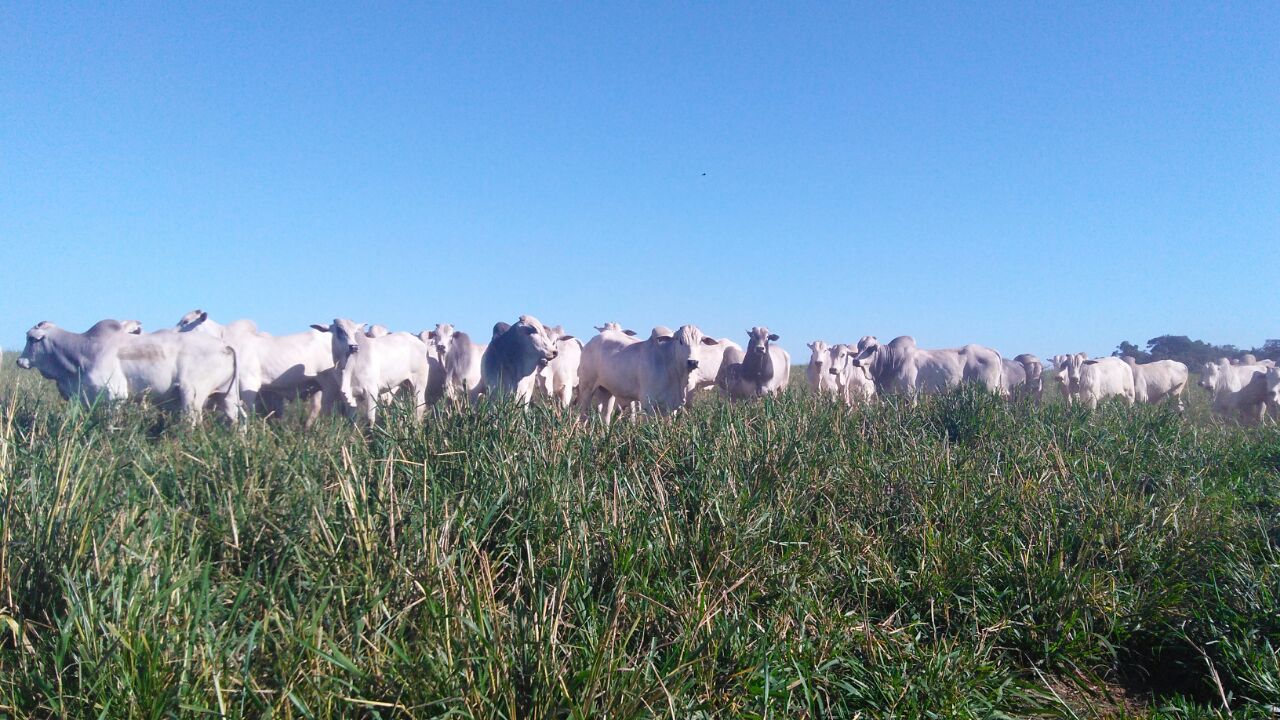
[[234, 385]]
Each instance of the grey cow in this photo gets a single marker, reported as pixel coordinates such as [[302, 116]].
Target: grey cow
[[114, 361], [901, 367], [1023, 375], [765, 368], [511, 363]]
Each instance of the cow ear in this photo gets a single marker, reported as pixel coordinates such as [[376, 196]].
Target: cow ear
[[201, 317], [321, 328], [629, 333], [709, 341], [773, 337], [432, 334]]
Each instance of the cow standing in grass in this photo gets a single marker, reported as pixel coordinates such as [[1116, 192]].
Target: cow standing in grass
[[115, 361]]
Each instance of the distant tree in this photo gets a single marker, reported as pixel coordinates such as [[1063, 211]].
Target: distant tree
[[1270, 350], [1133, 351], [1193, 353]]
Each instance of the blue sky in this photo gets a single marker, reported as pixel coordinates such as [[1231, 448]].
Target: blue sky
[[1033, 176]]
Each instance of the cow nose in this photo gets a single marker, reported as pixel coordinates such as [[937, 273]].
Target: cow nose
[[833, 371], [24, 363], [693, 364], [353, 348]]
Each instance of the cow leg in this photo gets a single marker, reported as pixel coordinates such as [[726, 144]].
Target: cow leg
[[191, 403], [315, 405], [606, 408], [586, 394], [248, 401], [419, 402]]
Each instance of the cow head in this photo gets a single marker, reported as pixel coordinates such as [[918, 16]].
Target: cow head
[[679, 355], [869, 349], [37, 353], [441, 339], [758, 339], [614, 327], [819, 354], [841, 359], [377, 331], [192, 320], [539, 338], [345, 336], [1211, 375], [1035, 372]]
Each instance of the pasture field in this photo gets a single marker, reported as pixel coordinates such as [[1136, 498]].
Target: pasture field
[[964, 558]]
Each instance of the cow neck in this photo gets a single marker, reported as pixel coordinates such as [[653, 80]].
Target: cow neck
[[71, 349], [884, 365], [758, 369]]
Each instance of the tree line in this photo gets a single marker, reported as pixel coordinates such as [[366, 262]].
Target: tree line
[[1194, 353]]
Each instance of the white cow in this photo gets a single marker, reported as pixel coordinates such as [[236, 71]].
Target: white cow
[[461, 360], [821, 371], [371, 368], [1154, 382], [1102, 378], [275, 368], [713, 356], [654, 372], [559, 377], [901, 367], [1239, 391], [853, 383], [1066, 385], [113, 361]]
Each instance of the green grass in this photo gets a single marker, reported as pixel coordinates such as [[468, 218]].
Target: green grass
[[791, 558]]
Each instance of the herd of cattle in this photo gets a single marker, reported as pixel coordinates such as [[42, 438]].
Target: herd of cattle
[[351, 367]]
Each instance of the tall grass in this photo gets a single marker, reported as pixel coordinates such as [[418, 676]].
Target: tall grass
[[965, 557]]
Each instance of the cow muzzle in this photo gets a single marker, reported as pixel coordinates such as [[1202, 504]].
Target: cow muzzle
[[834, 371], [693, 364], [24, 363]]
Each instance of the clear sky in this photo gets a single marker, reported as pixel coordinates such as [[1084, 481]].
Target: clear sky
[[1040, 177]]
